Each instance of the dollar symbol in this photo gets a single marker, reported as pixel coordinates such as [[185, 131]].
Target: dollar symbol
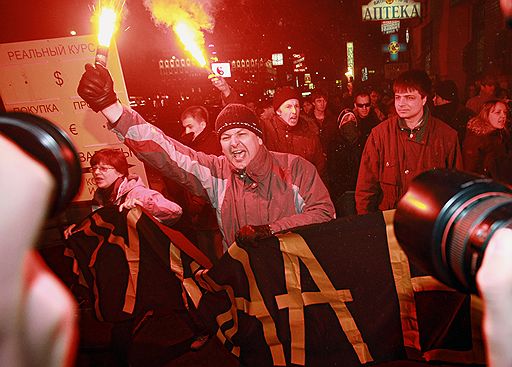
[[58, 80]]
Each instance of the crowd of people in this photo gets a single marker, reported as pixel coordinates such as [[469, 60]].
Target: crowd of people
[[250, 174], [367, 144], [302, 160]]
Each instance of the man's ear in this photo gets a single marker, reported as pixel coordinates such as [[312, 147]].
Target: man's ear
[[260, 141]]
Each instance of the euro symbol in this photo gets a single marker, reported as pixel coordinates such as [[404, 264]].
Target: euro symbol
[[72, 129], [58, 80]]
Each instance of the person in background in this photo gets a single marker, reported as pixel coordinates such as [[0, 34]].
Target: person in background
[[307, 107], [487, 148], [486, 92], [116, 186], [254, 191], [344, 156], [403, 146], [265, 110], [376, 101], [323, 118], [347, 99], [198, 221], [287, 132], [448, 109]]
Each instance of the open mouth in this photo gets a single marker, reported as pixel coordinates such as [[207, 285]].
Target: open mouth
[[238, 154]]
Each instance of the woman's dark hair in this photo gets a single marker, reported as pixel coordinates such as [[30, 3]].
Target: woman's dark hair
[[112, 157]]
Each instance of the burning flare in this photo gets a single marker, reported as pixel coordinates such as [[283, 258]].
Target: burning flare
[[188, 19], [191, 39], [107, 22]]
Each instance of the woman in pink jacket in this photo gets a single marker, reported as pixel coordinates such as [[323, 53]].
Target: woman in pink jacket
[[116, 186]]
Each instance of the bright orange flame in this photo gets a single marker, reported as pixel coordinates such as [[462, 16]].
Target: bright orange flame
[[107, 25], [190, 38]]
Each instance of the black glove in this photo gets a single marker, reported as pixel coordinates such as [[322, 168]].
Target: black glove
[[97, 88], [249, 235]]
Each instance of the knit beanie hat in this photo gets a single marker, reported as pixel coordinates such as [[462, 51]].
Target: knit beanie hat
[[447, 89], [284, 94], [236, 115]]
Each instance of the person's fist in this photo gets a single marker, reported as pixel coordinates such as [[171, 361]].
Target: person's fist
[[249, 235], [97, 88], [220, 83]]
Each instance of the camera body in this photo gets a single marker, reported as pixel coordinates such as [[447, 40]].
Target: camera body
[[445, 221]]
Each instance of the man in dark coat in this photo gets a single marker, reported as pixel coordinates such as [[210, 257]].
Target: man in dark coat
[[199, 222], [448, 108], [344, 154], [285, 131], [403, 146]]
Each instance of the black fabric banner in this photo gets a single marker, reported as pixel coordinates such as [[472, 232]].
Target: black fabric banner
[[336, 294]]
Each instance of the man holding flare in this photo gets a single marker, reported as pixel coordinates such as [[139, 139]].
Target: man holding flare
[[255, 192]]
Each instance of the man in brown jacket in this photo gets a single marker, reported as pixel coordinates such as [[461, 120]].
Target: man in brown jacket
[[403, 146]]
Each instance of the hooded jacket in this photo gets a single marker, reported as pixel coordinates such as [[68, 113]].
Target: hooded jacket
[[155, 203], [279, 189], [487, 151]]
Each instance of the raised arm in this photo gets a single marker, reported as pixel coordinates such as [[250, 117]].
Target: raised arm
[[196, 170]]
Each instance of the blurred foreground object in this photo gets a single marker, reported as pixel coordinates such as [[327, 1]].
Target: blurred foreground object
[[39, 169], [50, 146]]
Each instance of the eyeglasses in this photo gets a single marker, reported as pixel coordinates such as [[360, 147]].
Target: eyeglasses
[[361, 105], [100, 168]]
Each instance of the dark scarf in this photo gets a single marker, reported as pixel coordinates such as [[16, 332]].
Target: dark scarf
[[107, 196]]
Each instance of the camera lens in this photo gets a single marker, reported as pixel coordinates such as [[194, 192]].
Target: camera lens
[[49, 145], [445, 221]]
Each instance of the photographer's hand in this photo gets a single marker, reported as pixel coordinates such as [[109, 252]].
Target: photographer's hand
[[494, 279]]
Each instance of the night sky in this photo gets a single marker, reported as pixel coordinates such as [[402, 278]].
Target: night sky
[[243, 28]]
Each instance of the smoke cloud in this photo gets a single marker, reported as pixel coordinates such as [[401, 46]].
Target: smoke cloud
[[199, 13]]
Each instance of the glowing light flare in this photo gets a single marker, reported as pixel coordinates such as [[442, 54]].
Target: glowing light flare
[[190, 37], [107, 26]]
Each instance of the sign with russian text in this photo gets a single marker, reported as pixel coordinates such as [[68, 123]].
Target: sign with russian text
[[391, 9], [299, 65], [390, 26], [41, 77]]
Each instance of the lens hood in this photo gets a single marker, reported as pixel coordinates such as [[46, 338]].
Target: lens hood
[[436, 201], [50, 146]]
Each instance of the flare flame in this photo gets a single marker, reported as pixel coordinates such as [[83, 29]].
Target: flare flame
[[187, 19]]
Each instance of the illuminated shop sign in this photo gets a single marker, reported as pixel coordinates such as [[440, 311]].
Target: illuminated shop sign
[[391, 9]]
